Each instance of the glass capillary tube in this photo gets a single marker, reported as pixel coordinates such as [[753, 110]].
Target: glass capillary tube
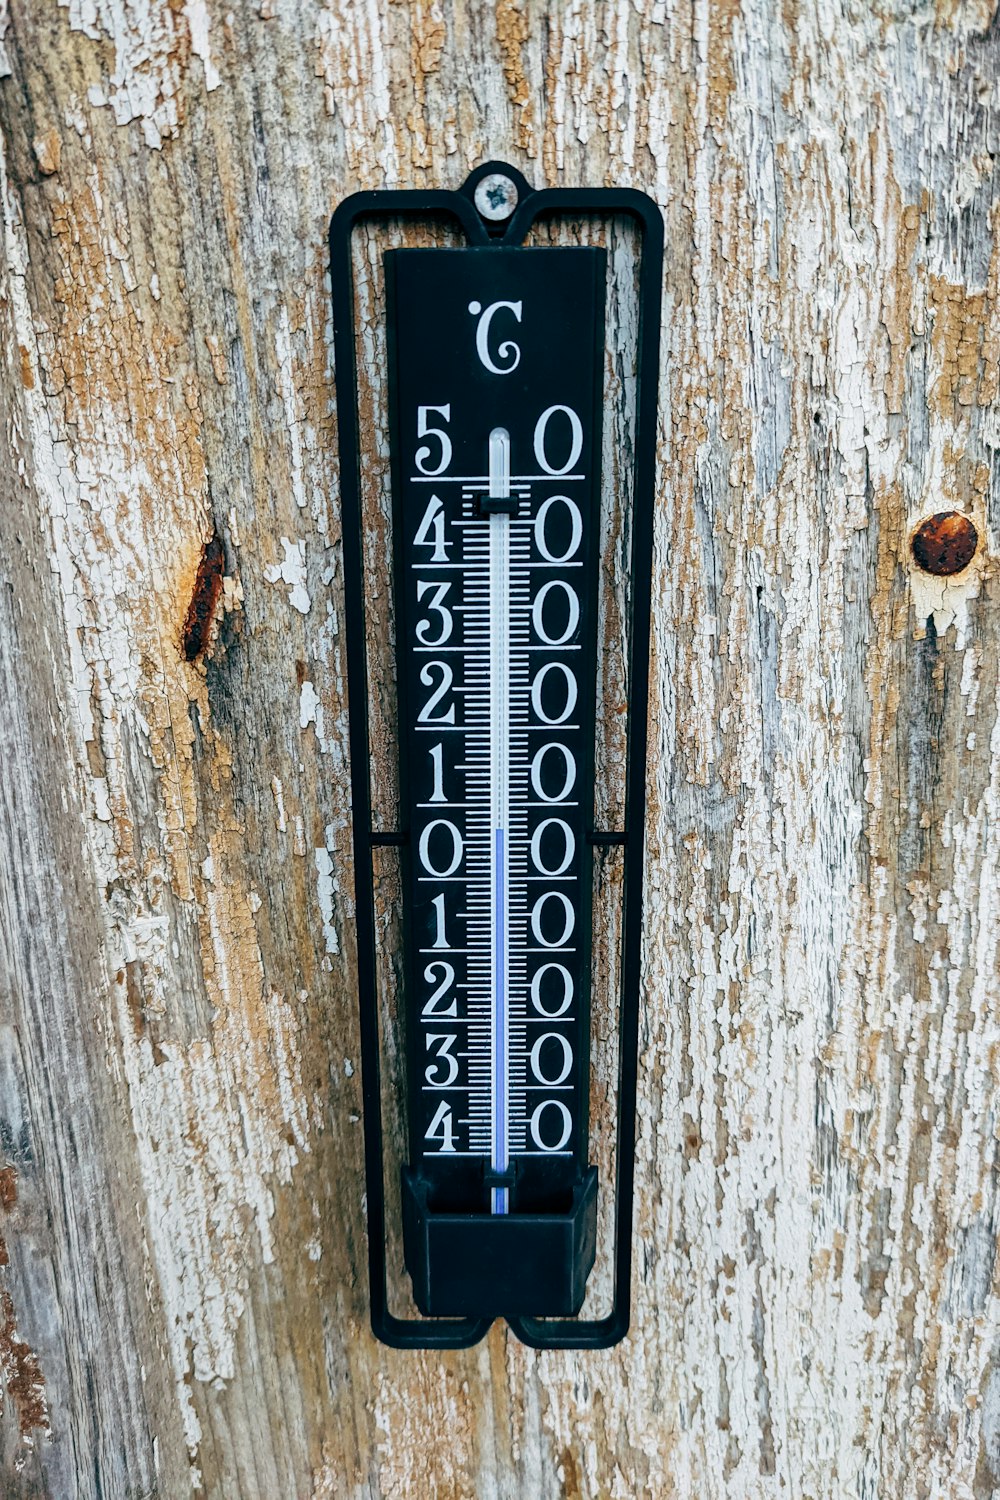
[[499, 481]]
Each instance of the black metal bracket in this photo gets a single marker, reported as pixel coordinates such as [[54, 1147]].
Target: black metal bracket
[[459, 206]]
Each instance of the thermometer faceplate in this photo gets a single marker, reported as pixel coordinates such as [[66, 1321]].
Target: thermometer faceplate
[[495, 393]]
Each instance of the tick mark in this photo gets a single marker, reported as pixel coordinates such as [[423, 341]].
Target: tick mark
[[204, 599]]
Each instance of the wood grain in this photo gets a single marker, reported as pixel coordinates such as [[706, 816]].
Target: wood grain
[[183, 1303]]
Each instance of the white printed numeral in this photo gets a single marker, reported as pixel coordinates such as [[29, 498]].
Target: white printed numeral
[[536, 991], [424, 430], [433, 522], [576, 439], [431, 1007], [569, 847], [535, 1058], [576, 528], [438, 591], [441, 941], [569, 778], [572, 612], [447, 1040], [538, 684], [437, 761], [427, 675], [442, 1128], [565, 1125], [457, 846], [569, 919]]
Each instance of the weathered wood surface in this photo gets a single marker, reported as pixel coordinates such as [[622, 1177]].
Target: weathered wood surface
[[183, 1290]]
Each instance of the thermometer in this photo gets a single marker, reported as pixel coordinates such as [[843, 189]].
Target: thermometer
[[496, 372]]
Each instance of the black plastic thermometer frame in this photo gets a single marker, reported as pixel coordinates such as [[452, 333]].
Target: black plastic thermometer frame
[[488, 1230]]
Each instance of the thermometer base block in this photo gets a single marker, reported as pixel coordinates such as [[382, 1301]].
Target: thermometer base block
[[499, 1265]]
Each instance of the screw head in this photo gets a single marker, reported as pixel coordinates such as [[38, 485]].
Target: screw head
[[495, 197], [944, 543]]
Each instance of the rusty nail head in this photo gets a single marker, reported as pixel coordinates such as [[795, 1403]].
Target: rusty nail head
[[945, 543]]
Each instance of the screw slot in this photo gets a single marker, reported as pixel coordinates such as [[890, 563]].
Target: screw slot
[[944, 543], [495, 197]]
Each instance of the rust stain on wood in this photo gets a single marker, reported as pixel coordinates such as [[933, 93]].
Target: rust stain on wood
[[22, 1374], [944, 543], [8, 1198], [204, 599], [8, 1188]]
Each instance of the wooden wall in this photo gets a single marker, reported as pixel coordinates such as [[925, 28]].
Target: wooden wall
[[183, 1297]]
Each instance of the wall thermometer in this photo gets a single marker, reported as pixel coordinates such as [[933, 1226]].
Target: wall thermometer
[[496, 379]]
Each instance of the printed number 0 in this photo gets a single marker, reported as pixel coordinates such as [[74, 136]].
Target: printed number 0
[[536, 991], [572, 612], [568, 919], [563, 1067], [457, 848], [535, 1125], [576, 528], [569, 767], [537, 688], [576, 440], [569, 847]]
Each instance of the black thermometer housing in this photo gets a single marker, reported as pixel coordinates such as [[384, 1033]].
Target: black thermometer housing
[[496, 376]]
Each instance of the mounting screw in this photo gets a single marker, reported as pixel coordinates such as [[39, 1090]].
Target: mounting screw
[[495, 197], [944, 543]]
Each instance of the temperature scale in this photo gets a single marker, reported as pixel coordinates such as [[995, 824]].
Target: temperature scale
[[496, 377]]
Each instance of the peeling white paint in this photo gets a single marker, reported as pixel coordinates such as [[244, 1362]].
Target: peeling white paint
[[232, 593], [277, 791], [292, 571], [326, 887], [196, 12], [220, 1118], [354, 64], [944, 599], [5, 67], [289, 400], [310, 708], [150, 42]]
